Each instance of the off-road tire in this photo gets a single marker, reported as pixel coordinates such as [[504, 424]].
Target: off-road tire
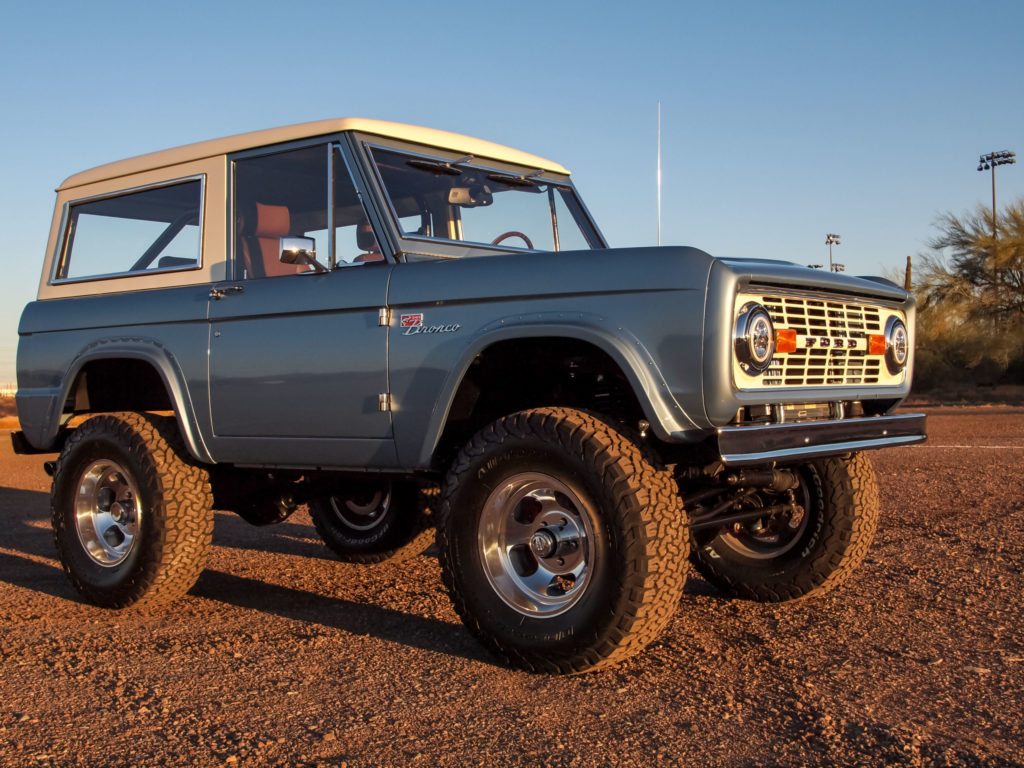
[[175, 523], [640, 540], [837, 537], [404, 532]]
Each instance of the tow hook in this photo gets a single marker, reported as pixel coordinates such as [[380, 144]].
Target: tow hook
[[49, 467]]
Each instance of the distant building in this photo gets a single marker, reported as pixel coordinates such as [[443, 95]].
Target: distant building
[[8, 388]]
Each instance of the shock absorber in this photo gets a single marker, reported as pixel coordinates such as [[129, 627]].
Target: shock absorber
[[779, 480]]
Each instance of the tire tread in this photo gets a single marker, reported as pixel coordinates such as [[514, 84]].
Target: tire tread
[[182, 509], [851, 518], [645, 498]]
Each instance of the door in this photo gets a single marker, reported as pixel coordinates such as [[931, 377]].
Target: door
[[298, 358]]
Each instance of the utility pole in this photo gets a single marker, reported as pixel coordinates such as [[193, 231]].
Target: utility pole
[[659, 172], [908, 280]]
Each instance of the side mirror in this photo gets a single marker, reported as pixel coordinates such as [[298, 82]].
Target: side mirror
[[300, 250]]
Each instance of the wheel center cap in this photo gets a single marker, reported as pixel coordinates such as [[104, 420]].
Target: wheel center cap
[[117, 512], [543, 543], [123, 512]]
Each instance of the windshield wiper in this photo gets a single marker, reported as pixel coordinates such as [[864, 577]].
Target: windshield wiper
[[514, 180], [434, 166], [440, 167]]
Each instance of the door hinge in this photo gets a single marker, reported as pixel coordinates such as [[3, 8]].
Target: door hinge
[[384, 401], [383, 316]]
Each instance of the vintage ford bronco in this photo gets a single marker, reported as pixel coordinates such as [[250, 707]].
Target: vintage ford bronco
[[410, 330]]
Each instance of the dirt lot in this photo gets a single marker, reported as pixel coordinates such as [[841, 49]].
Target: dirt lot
[[282, 656]]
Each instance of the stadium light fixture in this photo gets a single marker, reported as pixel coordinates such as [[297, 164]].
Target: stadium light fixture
[[830, 240], [989, 162]]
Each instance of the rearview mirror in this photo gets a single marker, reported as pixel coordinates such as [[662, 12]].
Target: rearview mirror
[[470, 197]]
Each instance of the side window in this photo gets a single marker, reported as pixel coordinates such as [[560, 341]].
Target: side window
[[135, 233], [354, 240], [286, 194], [277, 196]]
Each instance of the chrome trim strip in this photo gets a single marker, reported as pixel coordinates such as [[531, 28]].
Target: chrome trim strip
[[823, 293], [737, 446], [331, 263], [339, 153]]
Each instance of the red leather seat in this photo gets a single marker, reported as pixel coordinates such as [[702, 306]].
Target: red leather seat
[[261, 235], [366, 241]]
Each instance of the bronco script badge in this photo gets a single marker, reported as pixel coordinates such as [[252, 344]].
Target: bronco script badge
[[413, 324]]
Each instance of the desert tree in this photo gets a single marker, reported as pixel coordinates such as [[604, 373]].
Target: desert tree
[[970, 290], [978, 264]]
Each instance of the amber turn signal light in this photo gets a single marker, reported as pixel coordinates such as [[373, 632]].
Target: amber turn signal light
[[876, 344], [785, 340]]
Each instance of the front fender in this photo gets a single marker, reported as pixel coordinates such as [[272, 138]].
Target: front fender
[[667, 417]]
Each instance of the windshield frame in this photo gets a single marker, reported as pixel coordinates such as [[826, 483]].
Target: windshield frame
[[419, 246]]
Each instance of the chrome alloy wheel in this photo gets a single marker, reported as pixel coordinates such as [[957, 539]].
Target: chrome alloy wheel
[[107, 512], [536, 540], [363, 511]]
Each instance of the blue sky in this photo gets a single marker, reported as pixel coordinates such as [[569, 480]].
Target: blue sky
[[781, 121]]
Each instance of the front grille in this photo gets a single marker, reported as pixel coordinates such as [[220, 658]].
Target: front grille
[[823, 318]]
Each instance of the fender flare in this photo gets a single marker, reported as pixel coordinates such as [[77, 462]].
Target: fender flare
[[165, 364], [667, 417]]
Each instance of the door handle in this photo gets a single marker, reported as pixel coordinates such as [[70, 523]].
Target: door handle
[[220, 293]]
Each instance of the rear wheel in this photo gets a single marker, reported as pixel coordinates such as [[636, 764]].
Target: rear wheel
[[563, 547], [132, 519], [373, 522], [809, 550]]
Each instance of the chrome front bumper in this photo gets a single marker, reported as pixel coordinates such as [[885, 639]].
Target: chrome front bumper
[[739, 446]]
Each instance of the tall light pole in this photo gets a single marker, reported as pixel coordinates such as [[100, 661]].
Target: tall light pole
[[830, 240], [991, 160]]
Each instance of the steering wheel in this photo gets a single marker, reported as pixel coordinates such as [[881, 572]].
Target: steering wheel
[[513, 233]]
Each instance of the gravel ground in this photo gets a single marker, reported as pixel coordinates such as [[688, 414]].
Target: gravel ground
[[282, 656]]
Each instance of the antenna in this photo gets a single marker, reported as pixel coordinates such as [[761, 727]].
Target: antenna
[[659, 172]]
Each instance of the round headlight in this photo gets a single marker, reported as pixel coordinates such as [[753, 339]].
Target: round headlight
[[754, 338], [897, 345]]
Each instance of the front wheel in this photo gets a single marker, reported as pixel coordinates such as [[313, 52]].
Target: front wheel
[[563, 547], [808, 551], [132, 518]]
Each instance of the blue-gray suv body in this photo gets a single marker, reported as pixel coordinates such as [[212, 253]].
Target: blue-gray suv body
[[410, 330]]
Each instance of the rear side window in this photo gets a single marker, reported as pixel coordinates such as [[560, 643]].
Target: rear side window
[[154, 229]]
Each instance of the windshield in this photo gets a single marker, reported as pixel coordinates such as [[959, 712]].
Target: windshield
[[460, 201]]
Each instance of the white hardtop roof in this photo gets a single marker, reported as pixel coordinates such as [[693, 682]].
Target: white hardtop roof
[[205, 149]]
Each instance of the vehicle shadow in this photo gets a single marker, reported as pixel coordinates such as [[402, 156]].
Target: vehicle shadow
[[696, 586], [293, 537], [31, 573], [354, 618], [26, 522], [28, 560]]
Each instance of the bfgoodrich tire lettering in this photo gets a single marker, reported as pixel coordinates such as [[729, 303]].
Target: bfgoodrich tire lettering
[[132, 519], [620, 511], [840, 516]]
